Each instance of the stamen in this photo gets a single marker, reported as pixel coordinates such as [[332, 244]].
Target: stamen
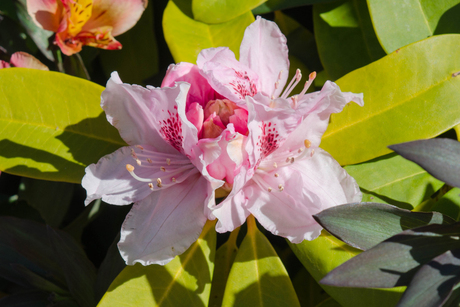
[[294, 100], [275, 165], [133, 154], [311, 77], [291, 86], [290, 160], [280, 187], [151, 186], [277, 175], [269, 189], [149, 160], [168, 161], [173, 179], [307, 143], [312, 152], [163, 169], [130, 169], [159, 183], [139, 146], [300, 150], [277, 84], [138, 162]]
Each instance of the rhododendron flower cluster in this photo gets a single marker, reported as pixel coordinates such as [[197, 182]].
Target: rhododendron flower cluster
[[221, 125], [86, 22]]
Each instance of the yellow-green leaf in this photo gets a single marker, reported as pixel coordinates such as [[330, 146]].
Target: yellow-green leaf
[[410, 94], [51, 125], [187, 37], [394, 180], [184, 280], [212, 11], [258, 277], [325, 253]]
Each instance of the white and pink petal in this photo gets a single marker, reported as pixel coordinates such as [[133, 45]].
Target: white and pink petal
[[164, 224]]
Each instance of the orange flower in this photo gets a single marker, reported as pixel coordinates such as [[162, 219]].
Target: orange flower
[[86, 22]]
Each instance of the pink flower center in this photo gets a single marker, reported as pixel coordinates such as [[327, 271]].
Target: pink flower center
[[215, 117], [171, 130]]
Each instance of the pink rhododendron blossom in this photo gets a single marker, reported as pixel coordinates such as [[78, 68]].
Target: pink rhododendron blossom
[[86, 22], [23, 59], [286, 177], [164, 171]]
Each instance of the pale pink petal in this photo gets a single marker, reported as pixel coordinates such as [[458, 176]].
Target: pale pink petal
[[195, 116], [268, 127], [164, 224], [240, 121], [226, 75], [4, 64], [110, 180], [264, 50], [145, 115], [122, 15], [300, 190], [316, 109], [200, 90], [22, 59], [47, 14]]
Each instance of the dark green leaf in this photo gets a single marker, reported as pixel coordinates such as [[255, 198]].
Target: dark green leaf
[[50, 198], [345, 36], [277, 5], [433, 283], [79, 272], [363, 225], [38, 282], [31, 298], [138, 59], [394, 262], [440, 157]]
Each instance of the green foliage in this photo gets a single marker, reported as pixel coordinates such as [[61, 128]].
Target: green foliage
[[399, 93], [400, 23], [324, 254], [212, 12], [187, 37], [187, 278], [393, 180], [345, 37], [54, 133], [364, 225], [258, 277]]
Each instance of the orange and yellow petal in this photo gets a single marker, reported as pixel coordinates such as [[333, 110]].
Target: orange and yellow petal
[[47, 14], [100, 37]]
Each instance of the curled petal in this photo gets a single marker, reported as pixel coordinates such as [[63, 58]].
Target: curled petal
[[4, 64], [226, 75], [22, 59], [164, 224], [100, 38], [264, 50], [47, 14], [121, 15], [200, 90]]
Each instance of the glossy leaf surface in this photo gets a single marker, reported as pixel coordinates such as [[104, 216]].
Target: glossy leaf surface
[[393, 180], [394, 262], [399, 23], [345, 37], [187, 37], [258, 277], [409, 94], [363, 225], [440, 157], [449, 204], [434, 281], [325, 253], [211, 11], [51, 134], [187, 278]]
